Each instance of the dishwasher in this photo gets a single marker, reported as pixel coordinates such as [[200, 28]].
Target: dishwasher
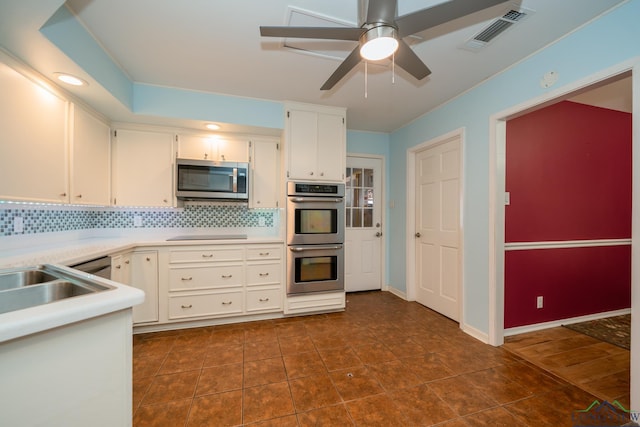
[[100, 267]]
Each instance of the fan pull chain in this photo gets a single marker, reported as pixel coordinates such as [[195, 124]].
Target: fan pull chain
[[366, 69], [393, 68]]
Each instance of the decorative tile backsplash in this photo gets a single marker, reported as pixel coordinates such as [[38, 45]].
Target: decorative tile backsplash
[[50, 219]]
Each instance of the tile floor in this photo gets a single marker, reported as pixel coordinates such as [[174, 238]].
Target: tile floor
[[598, 367], [382, 362]]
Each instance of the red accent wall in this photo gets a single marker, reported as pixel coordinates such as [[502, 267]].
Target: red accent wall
[[568, 172]]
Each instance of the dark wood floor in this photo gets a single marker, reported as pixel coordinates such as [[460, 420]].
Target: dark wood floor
[[597, 367]]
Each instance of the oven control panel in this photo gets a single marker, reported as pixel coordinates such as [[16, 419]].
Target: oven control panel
[[295, 188]]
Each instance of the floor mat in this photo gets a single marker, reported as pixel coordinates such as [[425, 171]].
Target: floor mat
[[614, 330]]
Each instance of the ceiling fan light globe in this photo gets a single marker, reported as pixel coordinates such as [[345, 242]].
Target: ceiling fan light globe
[[378, 43]]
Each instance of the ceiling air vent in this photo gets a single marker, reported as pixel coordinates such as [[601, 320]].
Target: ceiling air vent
[[496, 28]]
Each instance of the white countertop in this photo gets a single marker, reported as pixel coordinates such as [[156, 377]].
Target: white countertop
[[71, 248]]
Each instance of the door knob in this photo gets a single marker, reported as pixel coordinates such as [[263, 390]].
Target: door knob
[[378, 234], [418, 234]]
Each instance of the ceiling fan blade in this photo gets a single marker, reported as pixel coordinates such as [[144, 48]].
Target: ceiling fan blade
[[439, 14], [351, 61], [407, 59], [382, 11], [332, 33]]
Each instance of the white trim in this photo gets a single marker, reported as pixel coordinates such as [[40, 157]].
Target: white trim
[[412, 152], [476, 333], [497, 146], [523, 246], [397, 292], [555, 323]]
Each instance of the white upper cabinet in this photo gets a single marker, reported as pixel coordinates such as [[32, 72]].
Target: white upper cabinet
[[142, 168], [265, 173], [213, 147], [33, 149], [315, 137], [90, 159]]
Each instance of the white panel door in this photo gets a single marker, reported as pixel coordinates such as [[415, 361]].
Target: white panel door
[[438, 227], [363, 236]]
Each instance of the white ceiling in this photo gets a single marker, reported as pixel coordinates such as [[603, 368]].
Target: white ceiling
[[215, 46]]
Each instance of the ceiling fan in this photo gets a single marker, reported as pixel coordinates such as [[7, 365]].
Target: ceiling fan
[[381, 33]]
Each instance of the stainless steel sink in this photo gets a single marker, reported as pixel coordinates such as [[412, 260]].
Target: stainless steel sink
[[29, 287], [18, 279]]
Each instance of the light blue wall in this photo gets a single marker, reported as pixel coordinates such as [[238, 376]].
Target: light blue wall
[[609, 41]]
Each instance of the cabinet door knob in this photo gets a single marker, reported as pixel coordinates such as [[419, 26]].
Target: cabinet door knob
[[118, 266], [127, 262], [378, 234], [321, 173], [63, 194], [310, 173], [165, 200], [148, 259], [187, 306], [418, 234], [79, 196]]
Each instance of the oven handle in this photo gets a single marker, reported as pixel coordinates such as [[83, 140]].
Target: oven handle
[[313, 200], [313, 248]]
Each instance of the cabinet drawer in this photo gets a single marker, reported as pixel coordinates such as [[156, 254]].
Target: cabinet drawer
[[264, 300], [197, 305], [263, 274], [223, 276], [264, 252], [207, 255]]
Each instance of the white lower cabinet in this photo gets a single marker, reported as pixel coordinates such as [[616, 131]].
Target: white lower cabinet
[[216, 281], [139, 269], [191, 304]]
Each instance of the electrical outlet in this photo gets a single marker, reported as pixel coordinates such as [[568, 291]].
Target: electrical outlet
[[18, 224], [137, 221], [539, 302]]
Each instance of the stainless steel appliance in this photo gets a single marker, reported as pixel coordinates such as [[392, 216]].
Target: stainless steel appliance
[[315, 237], [100, 267], [206, 179]]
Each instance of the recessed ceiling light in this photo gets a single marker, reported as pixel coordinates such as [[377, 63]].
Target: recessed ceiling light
[[71, 80], [212, 126]]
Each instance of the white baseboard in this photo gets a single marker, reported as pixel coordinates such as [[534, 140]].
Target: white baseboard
[[476, 333], [396, 292], [555, 323]]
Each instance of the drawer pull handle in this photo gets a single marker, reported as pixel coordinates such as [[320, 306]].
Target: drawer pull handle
[[227, 303], [187, 306], [264, 253], [207, 256], [227, 276], [263, 274], [186, 278], [118, 266], [263, 299]]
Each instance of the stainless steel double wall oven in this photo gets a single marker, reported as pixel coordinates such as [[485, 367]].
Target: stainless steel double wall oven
[[315, 237]]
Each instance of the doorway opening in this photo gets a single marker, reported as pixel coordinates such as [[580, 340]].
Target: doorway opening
[[497, 206]]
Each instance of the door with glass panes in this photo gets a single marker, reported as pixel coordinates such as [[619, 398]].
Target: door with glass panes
[[363, 220]]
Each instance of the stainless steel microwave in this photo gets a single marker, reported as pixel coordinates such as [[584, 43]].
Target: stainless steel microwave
[[206, 179]]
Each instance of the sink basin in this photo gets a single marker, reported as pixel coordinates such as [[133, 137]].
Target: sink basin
[[29, 287], [26, 277]]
